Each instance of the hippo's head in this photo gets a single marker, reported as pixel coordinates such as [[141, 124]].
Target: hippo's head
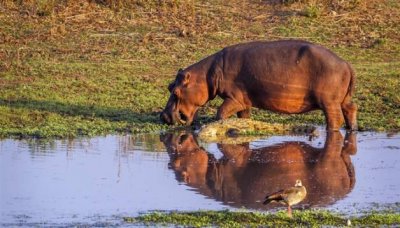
[[187, 159], [188, 93]]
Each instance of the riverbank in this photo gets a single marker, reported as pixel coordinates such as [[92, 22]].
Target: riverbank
[[307, 218]]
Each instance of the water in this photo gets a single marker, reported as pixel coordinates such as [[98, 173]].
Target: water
[[98, 181]]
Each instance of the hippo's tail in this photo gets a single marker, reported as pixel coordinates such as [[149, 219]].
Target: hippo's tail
[[352, 85]]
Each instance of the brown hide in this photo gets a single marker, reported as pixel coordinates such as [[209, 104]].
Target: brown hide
[[288, 76], [243, 176]]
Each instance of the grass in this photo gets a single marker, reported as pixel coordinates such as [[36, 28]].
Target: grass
[[71, 68], [308, 218]]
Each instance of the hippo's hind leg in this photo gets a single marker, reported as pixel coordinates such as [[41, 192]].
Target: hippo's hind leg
[[244, 114], [333, 116], [350, 144], [350, 115]]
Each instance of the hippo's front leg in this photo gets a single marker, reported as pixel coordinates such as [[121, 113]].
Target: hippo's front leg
[[244, 114], [228, 108]]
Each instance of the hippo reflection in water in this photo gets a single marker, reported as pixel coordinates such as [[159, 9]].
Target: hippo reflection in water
[[243, 176]]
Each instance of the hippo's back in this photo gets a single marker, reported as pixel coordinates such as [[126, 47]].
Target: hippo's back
[[289, 76]]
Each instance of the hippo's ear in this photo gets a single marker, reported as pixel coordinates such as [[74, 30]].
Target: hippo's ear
[[171, 86], [186, 78]]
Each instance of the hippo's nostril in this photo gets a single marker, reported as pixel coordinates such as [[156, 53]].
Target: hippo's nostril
[[162, 117]]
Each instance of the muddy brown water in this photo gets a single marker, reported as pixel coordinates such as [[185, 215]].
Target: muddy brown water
[[97, 181]]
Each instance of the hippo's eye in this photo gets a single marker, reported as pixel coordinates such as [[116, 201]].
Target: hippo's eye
[[177, 92]]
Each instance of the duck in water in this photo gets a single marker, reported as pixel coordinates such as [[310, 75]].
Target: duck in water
[[289, 197]]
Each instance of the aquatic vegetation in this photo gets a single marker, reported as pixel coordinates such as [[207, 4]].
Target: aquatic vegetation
[[307, 218]]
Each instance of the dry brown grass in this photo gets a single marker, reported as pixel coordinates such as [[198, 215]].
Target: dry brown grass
[[346, 21]]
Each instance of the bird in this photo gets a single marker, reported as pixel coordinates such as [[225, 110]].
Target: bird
[[289, 197]]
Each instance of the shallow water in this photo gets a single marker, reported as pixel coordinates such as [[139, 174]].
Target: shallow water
[[97, 181]]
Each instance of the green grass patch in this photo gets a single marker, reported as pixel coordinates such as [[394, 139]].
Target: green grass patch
[[308, 218]]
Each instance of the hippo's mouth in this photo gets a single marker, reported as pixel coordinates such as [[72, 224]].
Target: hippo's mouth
[[183, 119]]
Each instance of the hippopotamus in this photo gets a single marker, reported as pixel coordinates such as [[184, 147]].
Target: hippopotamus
[[287, 76]]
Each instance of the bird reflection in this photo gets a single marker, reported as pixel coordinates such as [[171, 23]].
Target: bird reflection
[[243, 176]]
